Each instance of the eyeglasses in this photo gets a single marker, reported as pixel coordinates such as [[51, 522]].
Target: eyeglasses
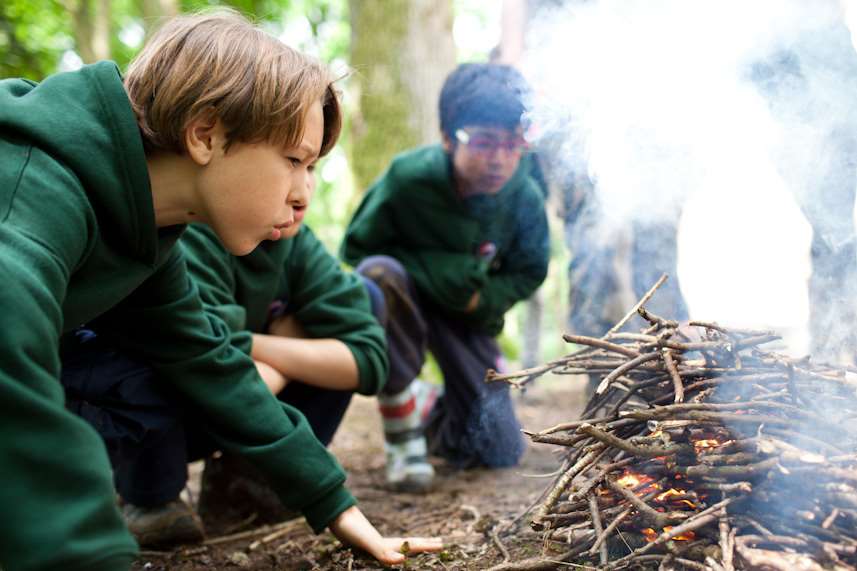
[[489, 144]]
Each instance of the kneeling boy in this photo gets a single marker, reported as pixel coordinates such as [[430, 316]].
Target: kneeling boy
[[454, 235]]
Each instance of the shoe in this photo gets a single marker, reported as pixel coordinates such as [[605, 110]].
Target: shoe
[[404, 416], [174, 523], [408, 469]]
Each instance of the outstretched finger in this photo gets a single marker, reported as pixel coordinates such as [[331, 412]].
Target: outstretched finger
[[417, 544]]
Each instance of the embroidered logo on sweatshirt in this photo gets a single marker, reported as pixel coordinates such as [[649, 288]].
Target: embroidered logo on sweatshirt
[[487, 250]]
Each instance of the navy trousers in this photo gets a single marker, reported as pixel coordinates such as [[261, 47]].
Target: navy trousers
[[473, 423], [150, 431]]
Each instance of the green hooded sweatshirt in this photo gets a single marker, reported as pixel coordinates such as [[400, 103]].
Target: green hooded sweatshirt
[[329, 302], [453, 247], [78, 238]]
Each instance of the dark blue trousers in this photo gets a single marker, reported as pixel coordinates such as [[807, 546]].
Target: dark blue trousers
[[473, 423], [150, 431]]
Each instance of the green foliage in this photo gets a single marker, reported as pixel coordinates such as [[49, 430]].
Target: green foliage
[[36, 34], [33, 36], [319, 27], [509, 345]]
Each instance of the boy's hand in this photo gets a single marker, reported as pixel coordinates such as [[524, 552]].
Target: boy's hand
[[472, 304], [352, 528]]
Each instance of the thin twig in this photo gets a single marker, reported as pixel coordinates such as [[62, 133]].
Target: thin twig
[[648, 295]]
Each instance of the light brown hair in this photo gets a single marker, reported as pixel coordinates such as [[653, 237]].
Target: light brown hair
[[217, 61]]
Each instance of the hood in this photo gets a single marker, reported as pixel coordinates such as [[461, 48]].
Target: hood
[[84, 120]]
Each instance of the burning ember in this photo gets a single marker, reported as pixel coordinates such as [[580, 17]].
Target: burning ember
[[635, 481], [651, 535], [708, 443], [697, 432]]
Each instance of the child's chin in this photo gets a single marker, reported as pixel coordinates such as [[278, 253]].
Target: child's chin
[[291, 231], [242, 248]]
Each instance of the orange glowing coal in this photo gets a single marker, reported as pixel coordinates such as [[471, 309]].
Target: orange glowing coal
[[686, 536], [671, 493], [663, 496], [706, 443], [629, 480], [633, 480], [640, 483], [651, 535]]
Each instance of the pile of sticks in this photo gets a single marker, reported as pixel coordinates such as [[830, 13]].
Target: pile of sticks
[[700, 450]]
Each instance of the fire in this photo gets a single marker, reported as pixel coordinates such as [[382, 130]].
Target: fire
[[706, 443], [633, 480], [651, 535], [671, 493], [686, 536], [630, 480]]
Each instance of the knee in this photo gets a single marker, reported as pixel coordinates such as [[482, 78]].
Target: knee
[[383, 270], [376, 299], [502, 443]]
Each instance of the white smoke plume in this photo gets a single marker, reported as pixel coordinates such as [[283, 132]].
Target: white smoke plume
[[667, 104]]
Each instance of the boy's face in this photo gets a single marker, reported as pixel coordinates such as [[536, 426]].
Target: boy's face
[[259, 191], [484, 158]]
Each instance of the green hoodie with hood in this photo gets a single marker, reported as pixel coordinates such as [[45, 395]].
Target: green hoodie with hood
[[327, 301], [453, 247], [78, 238]]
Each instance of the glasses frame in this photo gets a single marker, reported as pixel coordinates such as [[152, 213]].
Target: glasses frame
[[517, 147]]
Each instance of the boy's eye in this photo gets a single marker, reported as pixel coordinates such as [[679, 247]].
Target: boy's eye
[[296, 162]]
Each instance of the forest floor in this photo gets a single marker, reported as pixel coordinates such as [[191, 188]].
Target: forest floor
[[465, 508]]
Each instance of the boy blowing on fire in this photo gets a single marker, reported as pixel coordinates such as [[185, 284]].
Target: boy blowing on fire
[[310, 329], [454, 235], [214, 122]]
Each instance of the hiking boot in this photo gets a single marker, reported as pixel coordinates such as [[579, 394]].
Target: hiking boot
[[404, 416], [174, 523]]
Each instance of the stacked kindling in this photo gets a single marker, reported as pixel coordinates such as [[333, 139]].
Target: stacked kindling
[[700, 450]]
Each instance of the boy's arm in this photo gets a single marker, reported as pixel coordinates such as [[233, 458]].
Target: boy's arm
[[165, 322], [323, 363], [344, 346], [56, 489], [449, 279], [522, 269]]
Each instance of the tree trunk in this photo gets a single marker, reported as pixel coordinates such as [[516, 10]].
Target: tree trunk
[[91, 27], [401, 52], [154, 11]]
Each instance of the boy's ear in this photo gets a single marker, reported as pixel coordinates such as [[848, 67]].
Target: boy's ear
[[204, 135], [447, 143]]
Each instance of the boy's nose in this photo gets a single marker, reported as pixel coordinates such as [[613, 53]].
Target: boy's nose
[[300, 192]]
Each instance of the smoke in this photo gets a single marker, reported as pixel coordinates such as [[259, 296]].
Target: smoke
[[671, 103]]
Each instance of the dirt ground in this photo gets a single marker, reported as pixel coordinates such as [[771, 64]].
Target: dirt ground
[[466, 507]]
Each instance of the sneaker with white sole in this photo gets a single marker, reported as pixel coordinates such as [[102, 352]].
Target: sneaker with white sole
[[404, 416]]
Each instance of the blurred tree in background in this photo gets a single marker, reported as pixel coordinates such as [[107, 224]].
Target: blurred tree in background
[[33, 37], [401, 52]]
